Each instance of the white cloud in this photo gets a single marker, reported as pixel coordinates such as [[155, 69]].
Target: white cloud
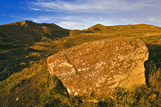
[[73, 25], [41, 19], [69, 22], [92, 5], [36, 9], [54, 18], [76, 22], [155, 20]]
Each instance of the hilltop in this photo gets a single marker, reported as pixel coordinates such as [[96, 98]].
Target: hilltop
[[25, 46], [122, 29], [28, 32]]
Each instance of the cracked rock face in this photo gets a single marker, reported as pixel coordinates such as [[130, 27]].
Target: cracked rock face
[[96, 68]]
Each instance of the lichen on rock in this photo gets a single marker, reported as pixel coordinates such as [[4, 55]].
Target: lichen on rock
[[98, 67]]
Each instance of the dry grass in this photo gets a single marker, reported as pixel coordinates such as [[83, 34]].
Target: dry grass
[[30, 84]]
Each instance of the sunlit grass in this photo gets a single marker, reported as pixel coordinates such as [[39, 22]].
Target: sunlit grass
[[33, 85]]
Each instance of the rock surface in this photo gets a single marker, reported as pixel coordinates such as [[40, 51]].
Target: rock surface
[[96, 68]]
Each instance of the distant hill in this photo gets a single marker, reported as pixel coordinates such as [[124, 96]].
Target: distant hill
[[120, 28], [28, 32]]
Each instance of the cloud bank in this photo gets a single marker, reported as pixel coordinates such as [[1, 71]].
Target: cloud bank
[[79, 14], [92, 5]]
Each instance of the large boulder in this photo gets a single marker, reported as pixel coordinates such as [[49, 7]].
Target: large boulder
[[98, 67]]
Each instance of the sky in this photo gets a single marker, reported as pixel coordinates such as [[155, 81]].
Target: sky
[[81, 14]]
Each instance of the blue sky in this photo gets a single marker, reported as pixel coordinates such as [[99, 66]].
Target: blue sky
[[80, 14]]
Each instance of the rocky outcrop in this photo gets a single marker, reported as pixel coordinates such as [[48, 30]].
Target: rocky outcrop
[[96, 68]]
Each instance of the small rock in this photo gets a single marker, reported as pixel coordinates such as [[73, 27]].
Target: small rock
[[17, 99]]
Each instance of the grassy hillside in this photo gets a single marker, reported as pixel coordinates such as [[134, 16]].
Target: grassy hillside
[[25, 80], [16, 40]]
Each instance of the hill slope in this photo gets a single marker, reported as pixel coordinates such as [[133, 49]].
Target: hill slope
[[16, 39], [28, 32]]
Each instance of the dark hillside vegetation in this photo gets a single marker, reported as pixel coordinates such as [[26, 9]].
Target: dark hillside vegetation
[[25, 81], [16, 39]]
